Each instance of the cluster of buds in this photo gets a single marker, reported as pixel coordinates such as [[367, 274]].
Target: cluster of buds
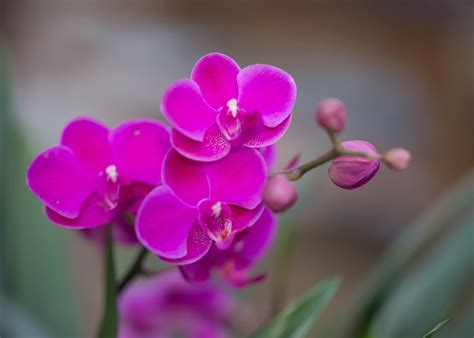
[[354, 162]]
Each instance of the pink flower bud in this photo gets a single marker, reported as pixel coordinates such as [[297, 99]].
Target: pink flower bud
[[331, 115], [279, 193], [397, 159], [350, 172]]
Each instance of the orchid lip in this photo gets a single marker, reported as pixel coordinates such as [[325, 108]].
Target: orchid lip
[[215, 219]]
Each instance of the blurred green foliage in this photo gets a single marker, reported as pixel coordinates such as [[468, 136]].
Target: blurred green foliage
[[426, 277], [297, 319], [36, 289]]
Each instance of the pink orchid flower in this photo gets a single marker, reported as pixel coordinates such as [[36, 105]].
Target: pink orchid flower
[[95, 174], [234, 263], [222, 106], [201, 203], [167, 306]]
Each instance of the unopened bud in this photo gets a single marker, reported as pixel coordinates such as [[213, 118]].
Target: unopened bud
[[350, 172], [331, 114], [279, 193], [397, 159]]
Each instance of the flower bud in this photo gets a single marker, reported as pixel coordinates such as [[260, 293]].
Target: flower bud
[[350, 172], [397, 159], [279, 193], [331, 115]]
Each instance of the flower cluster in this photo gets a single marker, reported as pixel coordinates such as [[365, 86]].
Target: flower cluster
[[200, 195]]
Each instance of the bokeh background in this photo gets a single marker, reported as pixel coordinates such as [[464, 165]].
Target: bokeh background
[[404, 69]]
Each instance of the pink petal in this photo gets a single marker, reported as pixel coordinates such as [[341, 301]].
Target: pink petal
[[216, 75], [243, 218], [256, 242], [238, 178], [89, 140], [164, 222], [263, 136], [60, 181], [198, 244], [139, 147], [92, 214], [212, 148], [269, 155], [267, 90], [186, 110], [185, 177], [199, 271]]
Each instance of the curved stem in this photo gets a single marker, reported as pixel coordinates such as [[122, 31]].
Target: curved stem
[[134, 270], [298, 172]]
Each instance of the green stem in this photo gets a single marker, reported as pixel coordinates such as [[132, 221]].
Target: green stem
[[298, 172], [135, 269], [108, 327]]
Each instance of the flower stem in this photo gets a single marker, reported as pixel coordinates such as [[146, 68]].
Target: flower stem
[[108, 328], [134, 270], [336, 151]]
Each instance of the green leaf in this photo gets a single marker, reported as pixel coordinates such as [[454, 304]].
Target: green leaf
[[110, 319], [436, 328], [425, 276], [297, 319]]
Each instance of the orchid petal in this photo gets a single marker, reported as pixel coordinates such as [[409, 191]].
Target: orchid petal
[[256, 242], [139, 147], [163, 223], [89, 140], [186, 110], [216, 75], [185, 177], [267, 90], [238, 178], [243, 218], [263, 136], [213, 147], [60, 181], [93, 214], [198, 244]]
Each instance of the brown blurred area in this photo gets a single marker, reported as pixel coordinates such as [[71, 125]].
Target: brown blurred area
[[404, 69]]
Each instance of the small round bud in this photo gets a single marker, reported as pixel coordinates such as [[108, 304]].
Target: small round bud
[[397, 159], [350, 172], [331, 115], [279, 193]]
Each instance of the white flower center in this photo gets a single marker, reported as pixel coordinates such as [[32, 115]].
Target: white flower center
[[112, 173], [216, 209], [233, 107]]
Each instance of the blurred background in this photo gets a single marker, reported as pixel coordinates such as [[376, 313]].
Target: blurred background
[[404, 69]]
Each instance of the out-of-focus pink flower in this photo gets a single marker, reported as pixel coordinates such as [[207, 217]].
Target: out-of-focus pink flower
[[167, 306], [95, 173], [350, 172], [201, 203], [331, 115], [235, 262], [223, 106], [398, 159], [279, 194]]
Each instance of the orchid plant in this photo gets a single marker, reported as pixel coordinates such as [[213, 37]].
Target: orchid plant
[[201, 195]]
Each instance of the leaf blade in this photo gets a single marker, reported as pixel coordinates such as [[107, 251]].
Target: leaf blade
[[297, 319]]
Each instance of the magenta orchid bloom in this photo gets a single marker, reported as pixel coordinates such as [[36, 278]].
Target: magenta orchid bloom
[[166, 306], [235, 262], [95, 173], [223, 106], [200, 204]]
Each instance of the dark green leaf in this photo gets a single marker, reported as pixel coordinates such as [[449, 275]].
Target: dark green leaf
[[297, 319]]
